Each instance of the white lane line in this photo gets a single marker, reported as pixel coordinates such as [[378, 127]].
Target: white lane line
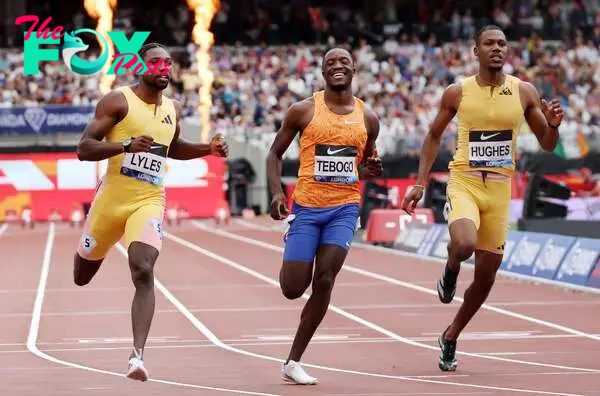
[[413, 287], [211, 336], [35, 326], [408, 285], [3, 228]]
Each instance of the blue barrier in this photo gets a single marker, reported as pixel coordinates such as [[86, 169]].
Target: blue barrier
[[559, 259], [579, 263], [44, 119], [594, 278]]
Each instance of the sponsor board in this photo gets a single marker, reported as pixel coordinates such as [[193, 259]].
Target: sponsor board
[[579, 262], [384, 225], [412, 237], [552, 254], [594, 278], [430, 238], [50, 183], [439, 248], [525, 253], [44, 119]]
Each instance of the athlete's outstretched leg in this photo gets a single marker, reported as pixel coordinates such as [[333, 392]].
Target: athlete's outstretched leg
[[334, 242], [330, 259], [486, 267], [142, 258], [143, 235]]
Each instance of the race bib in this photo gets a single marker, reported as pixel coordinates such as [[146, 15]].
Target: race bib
[[490, 149], [335, 164], [148, 167]]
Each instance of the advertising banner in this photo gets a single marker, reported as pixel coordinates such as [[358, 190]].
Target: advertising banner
[[439, 248], [384, 225], [594, 279], [580, 261], [552, 254], [44, 119], [58, 182], [525, 253], [412, 237], [431, 238]]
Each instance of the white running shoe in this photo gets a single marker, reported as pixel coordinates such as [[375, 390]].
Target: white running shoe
[[293, 372], [137, 371]]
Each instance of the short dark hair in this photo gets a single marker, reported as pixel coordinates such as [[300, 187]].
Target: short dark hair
[[485, 29], [337, 49], [147, 47]]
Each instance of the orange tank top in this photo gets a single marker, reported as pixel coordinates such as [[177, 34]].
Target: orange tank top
[[331, 148]]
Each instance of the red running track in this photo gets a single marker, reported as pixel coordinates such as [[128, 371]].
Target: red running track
[[223, 327]]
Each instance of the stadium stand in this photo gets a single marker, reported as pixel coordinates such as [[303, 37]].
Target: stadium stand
[[401, 74]]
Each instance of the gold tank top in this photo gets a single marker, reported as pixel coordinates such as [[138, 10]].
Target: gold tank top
[[488, 126]]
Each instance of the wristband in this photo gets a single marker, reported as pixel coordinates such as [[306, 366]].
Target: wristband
[[419, 185]]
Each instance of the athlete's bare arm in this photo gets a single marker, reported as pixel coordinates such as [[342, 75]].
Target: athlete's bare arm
[[296, 119], [183, 150], [111, 109], [448, 108], [431, 145], [543, 118], [372, 164]]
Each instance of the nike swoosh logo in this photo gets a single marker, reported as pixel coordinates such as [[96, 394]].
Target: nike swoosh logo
[[484, 137], [350, 122], [331, 152]]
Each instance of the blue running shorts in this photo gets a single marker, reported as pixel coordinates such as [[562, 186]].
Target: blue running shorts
[[311, 227]]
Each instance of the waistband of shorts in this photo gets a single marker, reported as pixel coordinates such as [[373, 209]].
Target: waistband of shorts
[[489, 175]]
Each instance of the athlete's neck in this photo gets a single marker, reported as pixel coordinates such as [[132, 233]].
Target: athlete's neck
[[489, 77], [148, 94], [339, 98]]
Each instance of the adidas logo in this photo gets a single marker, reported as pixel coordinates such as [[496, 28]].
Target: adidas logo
[[167, 120], [506, 91]]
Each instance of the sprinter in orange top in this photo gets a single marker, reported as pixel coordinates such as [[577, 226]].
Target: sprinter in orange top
[[337, 149]]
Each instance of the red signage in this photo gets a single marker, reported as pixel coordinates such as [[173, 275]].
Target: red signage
[[58, 182], [384, 225]]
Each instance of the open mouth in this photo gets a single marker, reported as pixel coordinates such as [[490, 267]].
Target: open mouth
[[338, 75], [163, 78]]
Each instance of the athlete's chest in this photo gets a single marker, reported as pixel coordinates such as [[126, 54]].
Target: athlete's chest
[[501, 109], [149, 166], [160, 124], [335, 129], [335, 145]]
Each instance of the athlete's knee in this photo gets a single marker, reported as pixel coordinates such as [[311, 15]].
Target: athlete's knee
[[292, 291], [84, 270], [141, 262], [462, 248], [294, 279], [142, 272]]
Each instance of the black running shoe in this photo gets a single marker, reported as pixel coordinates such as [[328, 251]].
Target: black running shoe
[[447, 354], [446, 286]]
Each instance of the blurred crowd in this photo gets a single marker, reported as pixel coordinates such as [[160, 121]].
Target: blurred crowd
[[401, 76]]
